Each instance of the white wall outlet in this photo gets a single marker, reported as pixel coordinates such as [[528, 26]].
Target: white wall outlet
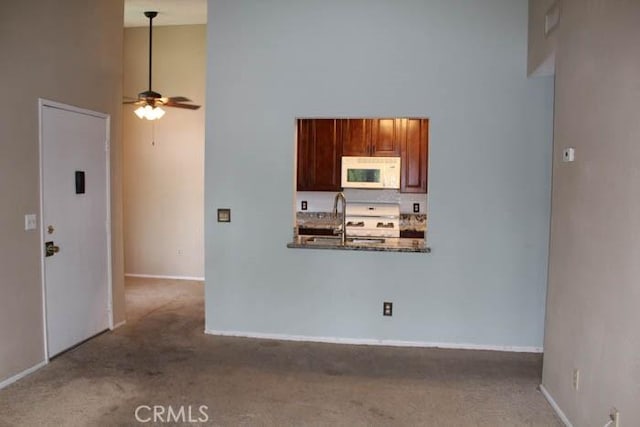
[[576, 378], [30, 222], [568, 155]]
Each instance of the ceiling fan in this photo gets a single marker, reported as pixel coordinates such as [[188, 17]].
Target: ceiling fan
[[150, 101]]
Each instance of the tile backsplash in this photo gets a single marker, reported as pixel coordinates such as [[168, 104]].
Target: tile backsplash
[[322, 201]]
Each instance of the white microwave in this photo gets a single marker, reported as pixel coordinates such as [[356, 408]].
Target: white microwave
[[370, 172]]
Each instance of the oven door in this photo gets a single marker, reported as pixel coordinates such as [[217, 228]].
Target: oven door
[[370, 226]]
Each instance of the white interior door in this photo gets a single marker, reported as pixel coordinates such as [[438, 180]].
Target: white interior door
[[77, 277]]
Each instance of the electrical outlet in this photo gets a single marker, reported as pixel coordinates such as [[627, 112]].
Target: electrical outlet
[[568, 155], [614, 416], [416, 208], [576, 378], [303, 205], [387, 309]]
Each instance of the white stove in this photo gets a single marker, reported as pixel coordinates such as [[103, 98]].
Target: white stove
[[372, 220]]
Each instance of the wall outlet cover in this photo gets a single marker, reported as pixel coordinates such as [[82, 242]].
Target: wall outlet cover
[[303, 205], [568, 155], [387, 309], [416, 208]]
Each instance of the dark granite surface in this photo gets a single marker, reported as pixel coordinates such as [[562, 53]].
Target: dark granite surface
[[408, 222], [389, 245]]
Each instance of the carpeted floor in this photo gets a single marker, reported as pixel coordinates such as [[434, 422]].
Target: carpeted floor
[[162, 358]]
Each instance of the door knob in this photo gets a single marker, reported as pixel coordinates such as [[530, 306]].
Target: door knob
[[50, 249]]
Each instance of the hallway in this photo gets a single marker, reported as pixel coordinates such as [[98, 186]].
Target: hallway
[[162, 357]]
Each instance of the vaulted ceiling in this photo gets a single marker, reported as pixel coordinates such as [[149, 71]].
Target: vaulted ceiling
[[170, 12]]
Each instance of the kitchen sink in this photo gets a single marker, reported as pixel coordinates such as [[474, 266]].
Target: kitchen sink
[[367, 240], [321, 240], [335, 240]]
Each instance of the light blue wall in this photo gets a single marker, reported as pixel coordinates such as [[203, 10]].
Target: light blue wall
[[460, 62]]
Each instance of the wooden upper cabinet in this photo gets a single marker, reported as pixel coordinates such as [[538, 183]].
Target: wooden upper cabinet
[[414, 155], [356, 137], [371, 137], [323, 142], [319, 153], [385, 137]]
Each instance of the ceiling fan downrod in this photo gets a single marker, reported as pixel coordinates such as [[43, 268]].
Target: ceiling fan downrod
[[150, 15], [149, 102]]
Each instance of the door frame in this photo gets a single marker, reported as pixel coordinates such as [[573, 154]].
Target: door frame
[[42, 104]]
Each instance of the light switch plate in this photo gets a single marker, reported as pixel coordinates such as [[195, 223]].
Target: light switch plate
[[30, 222]]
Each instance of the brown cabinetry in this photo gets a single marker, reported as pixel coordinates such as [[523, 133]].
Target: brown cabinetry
[[371, 137], [323, 142], [385, 137], [414, 155], [356, 137], [319, 153]]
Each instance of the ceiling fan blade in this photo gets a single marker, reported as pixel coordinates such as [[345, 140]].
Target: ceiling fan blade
[[137, 102], [178, 105], [179, 99]]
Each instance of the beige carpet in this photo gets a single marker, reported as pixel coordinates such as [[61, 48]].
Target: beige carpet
[[162, 358]]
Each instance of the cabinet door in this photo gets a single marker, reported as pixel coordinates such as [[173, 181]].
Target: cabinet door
[[385, 137], [356, 137], [304, 154], [415, 155], [319, 151]]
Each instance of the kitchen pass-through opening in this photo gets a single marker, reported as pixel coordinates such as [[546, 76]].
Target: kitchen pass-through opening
[[361, 181]]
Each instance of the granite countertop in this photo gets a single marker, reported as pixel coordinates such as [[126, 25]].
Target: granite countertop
[[318, 220], [326, 220], [408, 222], [389, 245]]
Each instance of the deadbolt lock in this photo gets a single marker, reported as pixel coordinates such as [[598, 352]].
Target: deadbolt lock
[[50, 249], [50, 229]]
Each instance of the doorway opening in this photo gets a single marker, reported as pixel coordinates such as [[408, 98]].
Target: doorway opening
[[163, 174]]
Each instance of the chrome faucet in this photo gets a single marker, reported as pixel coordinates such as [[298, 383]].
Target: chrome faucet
[[343, 231]]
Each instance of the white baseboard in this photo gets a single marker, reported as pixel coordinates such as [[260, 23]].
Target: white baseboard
[[118, 325], [22, 374], [155, 276], [555, 406], [365, 341]]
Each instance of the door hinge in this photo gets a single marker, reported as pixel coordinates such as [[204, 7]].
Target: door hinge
[[106, 146]]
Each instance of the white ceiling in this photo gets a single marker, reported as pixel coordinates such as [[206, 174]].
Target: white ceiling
[[170, 12]]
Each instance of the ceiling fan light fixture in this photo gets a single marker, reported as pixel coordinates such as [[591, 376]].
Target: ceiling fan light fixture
[[149, 101], [150, 113]]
